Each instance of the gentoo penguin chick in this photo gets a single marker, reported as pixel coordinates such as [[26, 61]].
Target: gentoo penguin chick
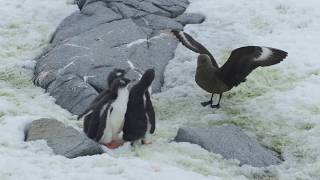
[[140, 116], [104, 122], [240, 64], [114, 74]]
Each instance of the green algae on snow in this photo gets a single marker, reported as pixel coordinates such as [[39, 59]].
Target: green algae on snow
[[18, 79], [306, 126], [6, 94]]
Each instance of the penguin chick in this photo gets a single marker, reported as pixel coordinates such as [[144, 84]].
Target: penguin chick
[[104, 122], [114, 74], [140, 116]]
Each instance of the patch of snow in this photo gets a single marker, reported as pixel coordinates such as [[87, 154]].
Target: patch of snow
[[278, 104]]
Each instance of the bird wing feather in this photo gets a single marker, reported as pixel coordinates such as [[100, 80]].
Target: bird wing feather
[[193, 45], [244, 60]]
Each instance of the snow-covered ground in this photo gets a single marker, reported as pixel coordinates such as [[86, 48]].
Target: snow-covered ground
[[278, 105]]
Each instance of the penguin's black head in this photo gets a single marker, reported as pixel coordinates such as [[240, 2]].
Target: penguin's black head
[[116, 73], [148, 77], [119, 83], [123, 82]]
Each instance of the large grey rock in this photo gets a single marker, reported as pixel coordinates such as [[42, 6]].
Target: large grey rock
[[63, 140], [76, 70], [90, 17], [230, 142], [103, 35]]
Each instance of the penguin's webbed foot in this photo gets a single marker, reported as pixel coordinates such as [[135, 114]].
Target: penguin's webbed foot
[[144, 141], [217, 106], [204, 104], [113, 144]]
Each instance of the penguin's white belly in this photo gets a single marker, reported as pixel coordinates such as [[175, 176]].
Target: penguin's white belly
[[115, 118]]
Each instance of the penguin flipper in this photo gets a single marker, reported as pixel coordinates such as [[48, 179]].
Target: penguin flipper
[[103, 117], [93, 125], [96, 102], [93, 122], [86, 121], [84, 113], [150, 113]]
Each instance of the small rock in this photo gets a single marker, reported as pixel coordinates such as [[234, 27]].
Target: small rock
[[230, 142], [63, 140], [190, 18]]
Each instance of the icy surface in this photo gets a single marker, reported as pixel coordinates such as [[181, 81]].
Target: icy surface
[[279, 105]]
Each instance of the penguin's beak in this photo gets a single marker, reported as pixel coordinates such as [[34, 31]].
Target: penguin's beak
[[175, 33]]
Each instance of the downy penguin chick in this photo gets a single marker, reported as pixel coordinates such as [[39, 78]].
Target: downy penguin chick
[[114, 74], [140, 115], [105, 121]]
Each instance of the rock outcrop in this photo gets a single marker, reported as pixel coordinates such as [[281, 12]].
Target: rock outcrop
[[107, 34], [230, 142], [63, 140]]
